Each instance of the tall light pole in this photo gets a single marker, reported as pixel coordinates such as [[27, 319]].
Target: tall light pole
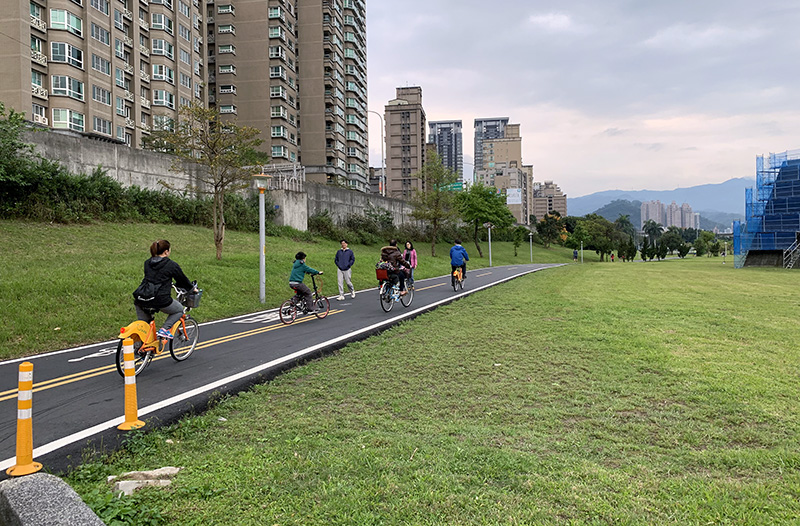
[[530, 237], [382, 180], [262, 181], [489, 226]]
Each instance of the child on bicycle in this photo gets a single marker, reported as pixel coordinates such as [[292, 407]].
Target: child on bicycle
[[458, 258], [299, 271]]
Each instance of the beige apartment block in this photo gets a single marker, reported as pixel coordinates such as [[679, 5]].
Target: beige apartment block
[[505, 150], [404, 119], [514, 184], [107, 69], [548, 197]]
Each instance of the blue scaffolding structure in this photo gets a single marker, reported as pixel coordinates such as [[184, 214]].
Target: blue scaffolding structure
[[772, 208]]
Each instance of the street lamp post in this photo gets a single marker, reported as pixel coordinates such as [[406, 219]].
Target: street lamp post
[[261, 182], [530, 238], [382, 180]]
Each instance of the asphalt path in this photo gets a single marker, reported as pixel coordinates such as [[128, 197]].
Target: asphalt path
[[78, 396]]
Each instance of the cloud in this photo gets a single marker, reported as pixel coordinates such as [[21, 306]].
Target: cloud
[[691, 37], [613, 132], [553, 22]]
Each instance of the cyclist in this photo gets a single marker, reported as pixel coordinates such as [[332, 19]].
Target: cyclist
[[299, 271], [154, 294], [394, 258], [458, 258]]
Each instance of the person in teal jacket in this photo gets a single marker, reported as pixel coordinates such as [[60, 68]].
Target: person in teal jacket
[[458, 258], [299, 271]]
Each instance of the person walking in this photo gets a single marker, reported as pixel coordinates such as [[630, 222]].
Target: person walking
[[575, 255], [344, 261], [410, 255]]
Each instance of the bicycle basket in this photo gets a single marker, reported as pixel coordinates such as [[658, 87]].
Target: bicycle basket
[[192, 300], [382, 274]]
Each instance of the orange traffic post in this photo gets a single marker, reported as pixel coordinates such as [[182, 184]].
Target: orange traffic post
[[131, 404], [25, 464]]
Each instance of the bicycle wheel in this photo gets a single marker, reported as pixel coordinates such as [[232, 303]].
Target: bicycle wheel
[[288, 312], [183, 344], [408, 298], [385, 292], [454, 281], [140, 360], [323, 307], [461, 283]]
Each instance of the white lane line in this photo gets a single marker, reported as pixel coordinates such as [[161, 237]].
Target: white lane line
[[87, 433]]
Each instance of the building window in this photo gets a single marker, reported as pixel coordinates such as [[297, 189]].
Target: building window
[[100, 5], [278, 111], [183, 8], [63, 85], [277, 91], [279, 131], [101, 95], [102, 65], [162, 47], [37, 78], [280, 151], [277, 72], [120, 80], [198, 93], [162, 72], [227, 28], [184, 32], [36, 11], [62, 19], [161, 21], [61, 52], [100, 34], [277, 32], [167, 3], [185, 57], [102, 126], [67, 119], [276, 12], [277, 52], [227, 88], [227, 48], [227, 108], [118, 23], [227, 68], [163, 98], [225, 9], [163, 122], [186, 80]]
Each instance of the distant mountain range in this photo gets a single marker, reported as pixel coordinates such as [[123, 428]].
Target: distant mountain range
[[722, 197], [718, 204]]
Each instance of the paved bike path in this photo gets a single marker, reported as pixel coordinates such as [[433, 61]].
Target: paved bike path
[[79, 396]]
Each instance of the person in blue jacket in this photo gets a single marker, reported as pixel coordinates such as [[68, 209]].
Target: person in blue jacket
[[458, 258]]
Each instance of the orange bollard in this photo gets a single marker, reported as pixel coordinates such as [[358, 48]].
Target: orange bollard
[[131, 404], [25, 464]]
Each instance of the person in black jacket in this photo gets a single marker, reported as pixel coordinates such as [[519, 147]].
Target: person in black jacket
[[160, 271]]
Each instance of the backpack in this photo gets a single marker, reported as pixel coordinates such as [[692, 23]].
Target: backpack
[[145, 292]]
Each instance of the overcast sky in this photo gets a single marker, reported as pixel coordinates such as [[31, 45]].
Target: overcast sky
[[610, 94]]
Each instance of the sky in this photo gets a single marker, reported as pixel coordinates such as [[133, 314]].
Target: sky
[[609, 94]]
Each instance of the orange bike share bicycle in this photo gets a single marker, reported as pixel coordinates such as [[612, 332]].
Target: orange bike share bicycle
[[146, 345]]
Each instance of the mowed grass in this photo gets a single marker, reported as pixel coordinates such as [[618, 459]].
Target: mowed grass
[[637, 394], [66, 285]]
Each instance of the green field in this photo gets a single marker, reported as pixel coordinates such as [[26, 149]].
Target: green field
[[66, 285], [636, 394]]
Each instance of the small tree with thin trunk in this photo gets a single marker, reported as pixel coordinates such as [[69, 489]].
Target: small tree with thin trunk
[[221, 148], [482, 204], [435, 202]]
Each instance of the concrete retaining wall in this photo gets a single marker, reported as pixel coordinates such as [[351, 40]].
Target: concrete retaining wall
[[340, 202], [42, 500]]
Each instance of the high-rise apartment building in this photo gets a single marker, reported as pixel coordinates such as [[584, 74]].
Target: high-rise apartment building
[[294, 69], [111, 69], [548, 197], [653, 210], [447, 137], [493, 128], [404, 119]]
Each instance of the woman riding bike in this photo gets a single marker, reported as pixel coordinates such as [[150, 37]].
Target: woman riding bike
[[154, 293], [394, 258]]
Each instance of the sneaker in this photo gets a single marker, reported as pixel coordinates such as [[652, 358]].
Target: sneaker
[[163, 334], [340, 297], [353, 294], [403, 292]]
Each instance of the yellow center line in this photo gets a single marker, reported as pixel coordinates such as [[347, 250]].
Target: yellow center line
[[431, 287], [484, 274], [83, 375]]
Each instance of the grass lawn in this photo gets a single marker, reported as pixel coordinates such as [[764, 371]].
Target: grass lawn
[[66, 285], [636, 394]]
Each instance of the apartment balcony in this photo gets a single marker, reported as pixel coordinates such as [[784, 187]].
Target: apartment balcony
[[144, 51], [128, 41], [212, 79], [212, 59], [144, 76], [40, 119], [39, 24], [39, 57], [128, 69], [145, 128], [212, 99], [211, 39], [127, 14], [210, 20], [145, 102], [144, 25], [39, 91], [144, 2], [128, 96], [129, 123]]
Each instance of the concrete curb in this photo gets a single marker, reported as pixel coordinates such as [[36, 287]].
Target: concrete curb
[[41, 499]]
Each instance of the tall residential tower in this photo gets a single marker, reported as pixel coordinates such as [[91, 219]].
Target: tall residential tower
[[405, 142], [446, 135]]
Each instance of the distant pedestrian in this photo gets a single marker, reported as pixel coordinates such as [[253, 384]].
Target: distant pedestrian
[[612, 257], [410, 255], [575, 255], [344, 261]]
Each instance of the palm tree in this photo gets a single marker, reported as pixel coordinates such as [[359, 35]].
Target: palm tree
[[653, 230]]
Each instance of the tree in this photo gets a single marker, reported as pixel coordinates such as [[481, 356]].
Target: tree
[[624, 225], [702, 243], [15, 154], [482, 204], [435, 202], [518, 235], [600, 234], [683, 249], [653, 230], [550, 228], [672, 238], [223, 149]]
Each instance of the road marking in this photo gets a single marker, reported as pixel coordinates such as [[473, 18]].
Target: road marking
[[263, 318], [99, 354], [431, 287], [484, 274], [84, 375]]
